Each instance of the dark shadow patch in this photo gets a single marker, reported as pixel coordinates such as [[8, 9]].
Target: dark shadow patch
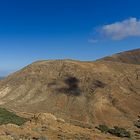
[[72, 87]]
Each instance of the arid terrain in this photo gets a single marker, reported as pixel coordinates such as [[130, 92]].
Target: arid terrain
[[47, 127], [83, 94]]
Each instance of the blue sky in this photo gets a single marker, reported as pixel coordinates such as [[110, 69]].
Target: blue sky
[[33, 30]]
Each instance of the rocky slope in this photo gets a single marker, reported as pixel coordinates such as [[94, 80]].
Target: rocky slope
[[101, 92]]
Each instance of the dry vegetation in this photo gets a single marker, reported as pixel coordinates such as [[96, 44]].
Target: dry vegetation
[[101, 92]]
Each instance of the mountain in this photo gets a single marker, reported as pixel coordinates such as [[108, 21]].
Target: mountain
[[101, 92], [130, 57]]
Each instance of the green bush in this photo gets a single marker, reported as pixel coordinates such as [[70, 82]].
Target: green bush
[[103, 128], [120, 132], [117, 131], [9, 117]]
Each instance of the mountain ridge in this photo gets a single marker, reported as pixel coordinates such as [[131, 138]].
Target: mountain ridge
[[76, 90], [130, 57]]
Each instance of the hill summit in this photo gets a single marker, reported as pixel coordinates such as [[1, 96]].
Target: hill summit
[[130, 57]]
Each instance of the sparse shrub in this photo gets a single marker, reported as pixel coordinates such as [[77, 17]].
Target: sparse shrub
[[120, 132], [103, 128], [9, 117], [117, 131]]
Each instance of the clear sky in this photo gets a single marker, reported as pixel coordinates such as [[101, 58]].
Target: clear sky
[[33, 30]]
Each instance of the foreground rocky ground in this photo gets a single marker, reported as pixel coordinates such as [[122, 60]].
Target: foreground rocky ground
[[47, 127]]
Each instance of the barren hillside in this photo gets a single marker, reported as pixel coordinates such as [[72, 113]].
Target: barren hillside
[[101, 92]]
